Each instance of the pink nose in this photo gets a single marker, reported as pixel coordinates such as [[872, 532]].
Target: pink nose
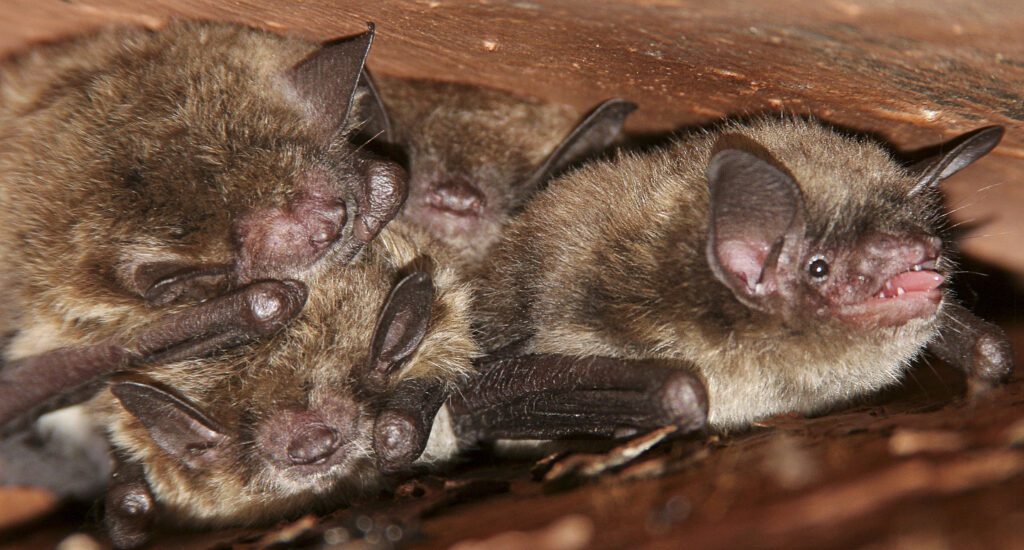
[[457, 197], [910, 249], [312, 444]]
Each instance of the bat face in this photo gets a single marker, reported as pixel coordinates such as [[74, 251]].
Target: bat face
[[865, 263], [293, 423], [170, 165], [882, 280], [475, 155], [854, 242]]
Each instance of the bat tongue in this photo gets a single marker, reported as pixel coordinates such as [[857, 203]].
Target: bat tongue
[[911, 281]]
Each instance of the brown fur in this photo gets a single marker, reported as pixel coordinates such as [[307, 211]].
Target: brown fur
[[306, 366], [486, 138], [133, 147], [611, 260]]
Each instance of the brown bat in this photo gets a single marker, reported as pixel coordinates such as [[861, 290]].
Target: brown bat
[[164, 194], [305, 419], [780, 266], [476, 154]]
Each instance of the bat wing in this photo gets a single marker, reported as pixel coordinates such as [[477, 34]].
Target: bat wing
[[562, 397], [37, 384]]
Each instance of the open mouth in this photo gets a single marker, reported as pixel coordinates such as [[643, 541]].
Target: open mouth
[[912, 294], [921, 281]]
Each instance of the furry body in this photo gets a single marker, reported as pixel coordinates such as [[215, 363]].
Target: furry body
[[134, 148], [612, 260], [306, 368], [147, 175], [475, 155]]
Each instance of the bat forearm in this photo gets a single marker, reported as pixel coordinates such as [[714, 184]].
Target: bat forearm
[[549, 396], [37, 384]]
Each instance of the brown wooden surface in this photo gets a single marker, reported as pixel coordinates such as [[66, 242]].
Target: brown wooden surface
[[919, 468]]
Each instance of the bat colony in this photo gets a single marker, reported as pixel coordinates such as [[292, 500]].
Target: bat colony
[[270, 280]]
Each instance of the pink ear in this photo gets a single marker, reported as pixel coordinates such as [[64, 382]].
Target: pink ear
[[743, 260], [756, 218]]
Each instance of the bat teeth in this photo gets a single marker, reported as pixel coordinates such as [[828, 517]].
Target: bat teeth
[[917, 267], [900, 291]]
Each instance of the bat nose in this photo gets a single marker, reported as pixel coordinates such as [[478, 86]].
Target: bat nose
[[457, 197], [313, 443], [324, 227], [911, 249]]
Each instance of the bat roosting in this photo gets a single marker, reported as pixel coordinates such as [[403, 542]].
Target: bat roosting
[[780, 266]]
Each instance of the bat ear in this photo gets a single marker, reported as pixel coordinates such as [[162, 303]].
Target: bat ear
[[174, 424], [755, 228], [401, 326], [327, 79], [370, 114], [594, 134], [969, 148]]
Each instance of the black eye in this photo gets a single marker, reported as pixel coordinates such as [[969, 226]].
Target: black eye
[[818, 268]]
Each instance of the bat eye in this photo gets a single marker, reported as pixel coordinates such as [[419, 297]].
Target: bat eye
[[818, 268]]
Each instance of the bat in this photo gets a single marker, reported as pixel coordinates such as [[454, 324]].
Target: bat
[[305, 432], [305, 419], [165, 193], [777, 266], [475, 155]]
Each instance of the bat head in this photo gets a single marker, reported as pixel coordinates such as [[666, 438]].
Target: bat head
[[809, 241], [288, 425], [230, 148], [475, 155]]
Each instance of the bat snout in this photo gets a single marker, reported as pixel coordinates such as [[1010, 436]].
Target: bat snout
[[308, 441], [457, 197], [313, 444]]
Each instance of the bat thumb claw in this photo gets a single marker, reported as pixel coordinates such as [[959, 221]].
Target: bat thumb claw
[[398, 441], [129, 515], [273, 303], [684, 401]]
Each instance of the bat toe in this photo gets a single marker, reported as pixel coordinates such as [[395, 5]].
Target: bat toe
[[993, 359], [129, 515]]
